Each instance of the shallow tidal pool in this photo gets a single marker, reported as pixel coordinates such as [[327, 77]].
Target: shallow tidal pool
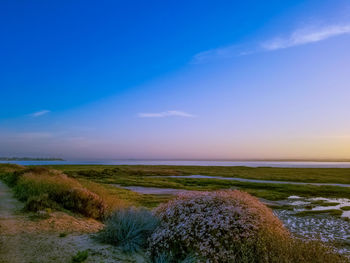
[[312, 218]]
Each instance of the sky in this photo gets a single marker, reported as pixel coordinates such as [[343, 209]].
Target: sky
[[175, 79]]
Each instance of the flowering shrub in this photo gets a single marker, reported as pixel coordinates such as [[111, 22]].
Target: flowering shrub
[[222, 226]]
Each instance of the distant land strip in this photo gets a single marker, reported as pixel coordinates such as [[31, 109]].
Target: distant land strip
[[242, 160], [29, 159]]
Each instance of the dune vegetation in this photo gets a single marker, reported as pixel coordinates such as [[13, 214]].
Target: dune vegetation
[[42, 188]]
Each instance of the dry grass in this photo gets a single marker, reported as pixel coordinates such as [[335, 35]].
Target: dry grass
[[51, 188], [109, 197]]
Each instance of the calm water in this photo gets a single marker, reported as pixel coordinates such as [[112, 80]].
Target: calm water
[[194, 163]]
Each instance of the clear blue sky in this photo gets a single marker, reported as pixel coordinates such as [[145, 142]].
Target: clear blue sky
[[175, 79]]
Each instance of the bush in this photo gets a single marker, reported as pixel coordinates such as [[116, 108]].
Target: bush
[[50, 188], [129, 229], [10, 173], [228, 226], [81, 256], [9, 168], [222, 226], [39, 202]]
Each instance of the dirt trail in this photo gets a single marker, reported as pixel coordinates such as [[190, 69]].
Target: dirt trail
[[23, 240]]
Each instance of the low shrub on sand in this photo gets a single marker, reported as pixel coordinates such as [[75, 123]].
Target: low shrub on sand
[[40, 187], [228, 226], [128, 229], [109, 194]]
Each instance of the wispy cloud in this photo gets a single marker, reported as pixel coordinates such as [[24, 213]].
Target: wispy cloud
[[217, 53], [170, 113], [306, 36], [298, 37], [40, 113]]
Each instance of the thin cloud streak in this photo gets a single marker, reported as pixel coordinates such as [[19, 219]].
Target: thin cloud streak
[[39, 113], [306, 36], [217, 53], [297, 38], [171, 113]]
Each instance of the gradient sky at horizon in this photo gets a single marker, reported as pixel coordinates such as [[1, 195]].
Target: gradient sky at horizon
[[175, 79]]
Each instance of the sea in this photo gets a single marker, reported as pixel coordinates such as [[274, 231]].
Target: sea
[[291, 164]]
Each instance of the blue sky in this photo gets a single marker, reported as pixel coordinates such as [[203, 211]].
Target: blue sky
[[175, 79]]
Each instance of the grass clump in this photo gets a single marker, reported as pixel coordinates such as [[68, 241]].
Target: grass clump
[[128, 229], [345, 208], [62, 235], [81, 256], [42, 188], [39, 203]]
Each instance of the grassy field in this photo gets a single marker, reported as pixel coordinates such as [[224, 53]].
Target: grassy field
[[157, 176], [309, 175], [104, 179]]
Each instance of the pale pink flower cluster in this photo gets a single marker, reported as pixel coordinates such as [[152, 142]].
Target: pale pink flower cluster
[[212, 225]]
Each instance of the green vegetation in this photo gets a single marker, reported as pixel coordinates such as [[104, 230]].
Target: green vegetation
[[156, 176], [345, 208], [129, 229], [332, 212], [281, 207], [103, 179], [309, 175], [62, 235], [42, 188], [329, 204], [81, 256], [323, 203]]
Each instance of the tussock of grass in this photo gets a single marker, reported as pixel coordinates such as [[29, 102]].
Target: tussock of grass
[[81, 256], [107, 193], [41, 188], [10, 168], [116, 197], [128, 229], [345, 208]]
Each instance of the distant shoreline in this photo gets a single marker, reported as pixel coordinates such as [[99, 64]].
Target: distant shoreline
[[29, 159], [216, 160], [177, 160]]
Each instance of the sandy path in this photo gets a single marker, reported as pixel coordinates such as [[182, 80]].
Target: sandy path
[[26, 241], [9, 224]]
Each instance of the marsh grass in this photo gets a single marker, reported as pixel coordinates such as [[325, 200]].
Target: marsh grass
[[42, 188], [311, 175], [331, 212], [156, 176], [81, 256], [117, 197]]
